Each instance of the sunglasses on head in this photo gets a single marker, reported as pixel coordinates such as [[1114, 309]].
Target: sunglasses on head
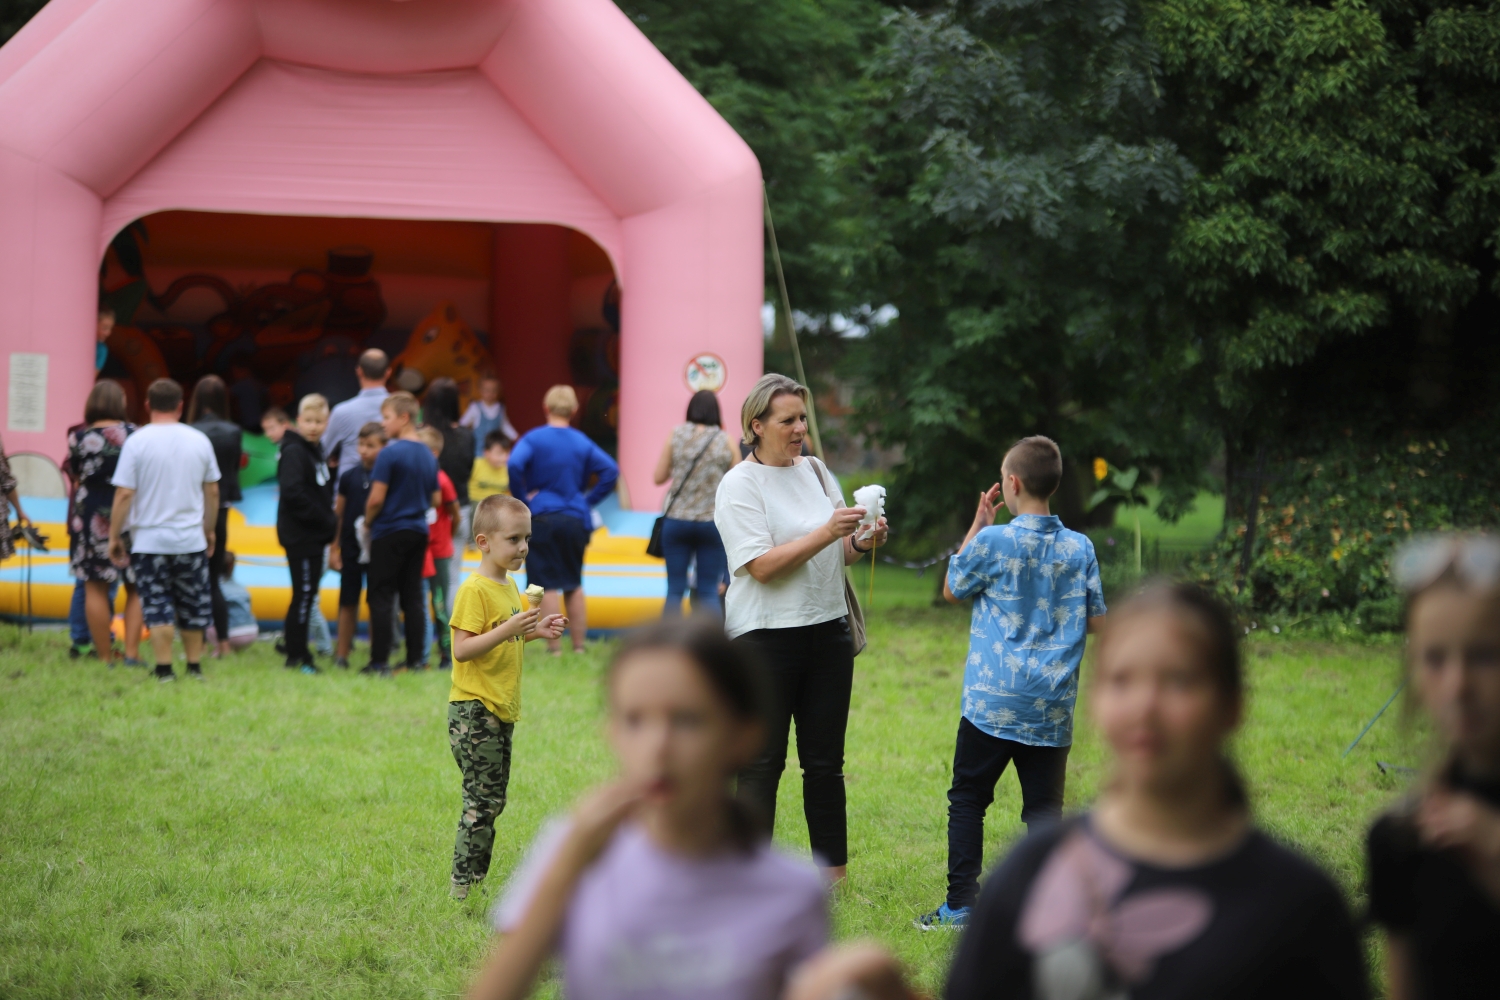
[[1473, 559]]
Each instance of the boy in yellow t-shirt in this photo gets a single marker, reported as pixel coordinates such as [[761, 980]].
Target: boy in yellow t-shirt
[[491, 624], [491, 473]]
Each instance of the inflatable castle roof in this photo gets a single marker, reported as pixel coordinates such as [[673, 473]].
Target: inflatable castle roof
[[531, 111]]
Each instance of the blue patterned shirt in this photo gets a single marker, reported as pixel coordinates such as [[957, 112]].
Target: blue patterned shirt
[[1036, 585]]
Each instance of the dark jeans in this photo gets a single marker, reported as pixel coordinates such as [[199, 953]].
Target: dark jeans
[[811, 668], [306, 566], [216, 573], [978, 761], [396, 568], [683, 540]]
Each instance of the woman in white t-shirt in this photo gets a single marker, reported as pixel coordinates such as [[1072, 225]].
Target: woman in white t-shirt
[[789, 536]]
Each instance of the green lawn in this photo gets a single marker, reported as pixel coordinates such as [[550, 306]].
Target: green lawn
[[266, 833]]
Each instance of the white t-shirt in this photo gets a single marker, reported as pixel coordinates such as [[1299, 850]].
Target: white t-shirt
[[167, 465], [759, 507]]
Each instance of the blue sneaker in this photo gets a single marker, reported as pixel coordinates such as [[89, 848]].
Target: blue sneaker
[[944, 919]]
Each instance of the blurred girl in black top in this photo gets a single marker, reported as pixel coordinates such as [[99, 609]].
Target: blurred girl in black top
[[1166, 889], [1434, 860]]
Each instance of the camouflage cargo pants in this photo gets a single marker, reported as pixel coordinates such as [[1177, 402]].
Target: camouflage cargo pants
[[481, 746]]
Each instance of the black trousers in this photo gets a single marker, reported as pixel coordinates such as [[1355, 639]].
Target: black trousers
[[396, 570], [216, 573], [306, 566], [811, 669], [978, 761]]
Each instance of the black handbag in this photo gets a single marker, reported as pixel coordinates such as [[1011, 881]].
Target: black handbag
[[654, 547]]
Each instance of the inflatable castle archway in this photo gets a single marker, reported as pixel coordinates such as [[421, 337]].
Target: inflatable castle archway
[[548, 136]]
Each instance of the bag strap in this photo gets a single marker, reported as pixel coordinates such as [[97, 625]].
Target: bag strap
[[817, 465], [677, 487]]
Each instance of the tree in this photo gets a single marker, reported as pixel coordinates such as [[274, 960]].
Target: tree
[[14, 14], [1012, 193], [1338, 243], [786, 74]]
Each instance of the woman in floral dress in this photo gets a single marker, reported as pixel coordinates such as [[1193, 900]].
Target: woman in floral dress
[[8, 500], [93, 453]]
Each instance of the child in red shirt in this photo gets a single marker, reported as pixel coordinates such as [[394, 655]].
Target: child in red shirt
[[435, 573]]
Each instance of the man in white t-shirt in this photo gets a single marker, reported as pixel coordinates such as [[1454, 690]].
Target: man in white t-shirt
[[167, 494]]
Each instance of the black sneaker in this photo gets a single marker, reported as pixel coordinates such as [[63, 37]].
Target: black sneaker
[[280, 647], [342, 663], [165, 675], [376, 670], [195, 672], [444, 663]]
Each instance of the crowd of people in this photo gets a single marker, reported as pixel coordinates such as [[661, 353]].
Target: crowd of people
[[380, 488], [664, 883]]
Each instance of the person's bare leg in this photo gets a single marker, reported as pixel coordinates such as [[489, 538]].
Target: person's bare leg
[[99, 614], [835, 874], [161, 643], [134, 622], [578, 624], [223, 649], [551, 601], [348, 619], [192, 644]]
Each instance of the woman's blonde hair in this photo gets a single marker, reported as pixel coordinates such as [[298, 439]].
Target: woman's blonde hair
[[561, 401], [762, 395]]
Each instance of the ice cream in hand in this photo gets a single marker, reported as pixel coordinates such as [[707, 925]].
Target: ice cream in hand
[[534, 595]]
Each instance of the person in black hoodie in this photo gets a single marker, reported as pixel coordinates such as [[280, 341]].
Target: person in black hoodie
[[440, 410], [209, 413], [304, 522]]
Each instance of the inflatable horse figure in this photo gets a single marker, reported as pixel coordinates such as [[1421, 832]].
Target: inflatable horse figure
[[442, 344]]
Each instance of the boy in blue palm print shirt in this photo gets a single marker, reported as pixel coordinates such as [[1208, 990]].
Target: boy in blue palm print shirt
[[1036, 595]]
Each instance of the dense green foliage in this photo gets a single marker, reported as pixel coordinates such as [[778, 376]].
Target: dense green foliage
[[1017, 195], [787, 74], [14, 14], [1331, 517]]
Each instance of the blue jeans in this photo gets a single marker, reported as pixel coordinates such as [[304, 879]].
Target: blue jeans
[[683, 541]]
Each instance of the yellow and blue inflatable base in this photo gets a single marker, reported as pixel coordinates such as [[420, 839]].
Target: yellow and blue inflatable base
[[625, 587]]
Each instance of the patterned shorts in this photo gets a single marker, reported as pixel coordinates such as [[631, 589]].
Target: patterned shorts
[[173, 588]]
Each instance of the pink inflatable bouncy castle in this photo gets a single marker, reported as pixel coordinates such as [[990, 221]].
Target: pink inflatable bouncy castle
[[562, 145]]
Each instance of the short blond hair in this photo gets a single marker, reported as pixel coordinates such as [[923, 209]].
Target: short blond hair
[[489, 511], [314, 403], [402, 403], [431, 437], [762, 394], [561, 401]]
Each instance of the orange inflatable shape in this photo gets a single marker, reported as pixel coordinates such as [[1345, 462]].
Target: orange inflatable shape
[[442, 344]]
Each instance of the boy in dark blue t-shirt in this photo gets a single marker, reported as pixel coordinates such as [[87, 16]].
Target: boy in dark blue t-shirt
[[346, 554], [403, 488]]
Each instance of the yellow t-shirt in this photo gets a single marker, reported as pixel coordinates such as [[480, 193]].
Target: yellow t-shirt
[[494, 678], [486, 480]]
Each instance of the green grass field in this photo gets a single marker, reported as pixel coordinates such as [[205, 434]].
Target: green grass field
[[264, 833]]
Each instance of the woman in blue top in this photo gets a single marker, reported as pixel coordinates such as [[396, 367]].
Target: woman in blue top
[[551, 468]]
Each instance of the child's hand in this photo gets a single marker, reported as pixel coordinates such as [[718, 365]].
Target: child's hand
[[519, 625], [989, 505], [597, 816], [335, 560], [1461, 822], [550, 627]]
